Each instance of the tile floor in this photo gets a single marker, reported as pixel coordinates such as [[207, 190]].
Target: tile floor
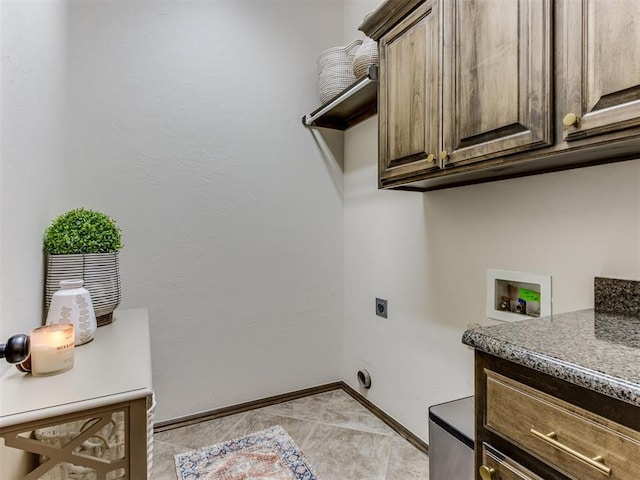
[[341, 439]]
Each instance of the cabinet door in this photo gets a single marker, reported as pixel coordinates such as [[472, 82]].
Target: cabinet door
[[408, 96], [602, 67], [497, 78]]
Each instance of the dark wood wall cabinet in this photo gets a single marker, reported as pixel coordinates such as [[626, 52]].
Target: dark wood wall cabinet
[[479, 90]]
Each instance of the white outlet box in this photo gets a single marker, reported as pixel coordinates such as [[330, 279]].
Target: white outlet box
[[514, 296]]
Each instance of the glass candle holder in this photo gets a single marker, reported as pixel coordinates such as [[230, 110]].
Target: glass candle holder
[[52, 349]]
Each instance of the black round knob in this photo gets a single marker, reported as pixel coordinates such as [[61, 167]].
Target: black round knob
[[16, 349]]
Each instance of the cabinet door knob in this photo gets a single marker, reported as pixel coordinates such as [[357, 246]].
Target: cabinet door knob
[[443, 155], [486, 473], [430, 158], [570, 119]]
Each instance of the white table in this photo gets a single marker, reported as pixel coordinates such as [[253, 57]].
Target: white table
[[110, 374]]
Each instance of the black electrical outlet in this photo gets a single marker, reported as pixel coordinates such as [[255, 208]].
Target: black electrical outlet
[[381, 307]]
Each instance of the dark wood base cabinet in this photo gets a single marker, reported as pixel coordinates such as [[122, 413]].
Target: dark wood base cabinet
[[533, 426]]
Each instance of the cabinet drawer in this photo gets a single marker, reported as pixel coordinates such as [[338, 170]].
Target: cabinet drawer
[[497, 466], [578, 443]]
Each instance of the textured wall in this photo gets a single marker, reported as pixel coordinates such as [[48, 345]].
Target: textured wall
[[32, 96], [33, 75], [185, 124], [428, 255]]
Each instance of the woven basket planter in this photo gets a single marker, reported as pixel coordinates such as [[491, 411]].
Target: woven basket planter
[[101, 275]]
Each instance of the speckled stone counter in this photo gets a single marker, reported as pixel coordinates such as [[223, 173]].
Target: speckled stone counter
[[599, 351]]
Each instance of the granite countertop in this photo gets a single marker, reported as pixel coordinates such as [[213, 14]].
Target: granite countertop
[[599, 351]]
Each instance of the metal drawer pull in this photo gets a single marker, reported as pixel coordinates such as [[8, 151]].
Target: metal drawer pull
[[596, 462]]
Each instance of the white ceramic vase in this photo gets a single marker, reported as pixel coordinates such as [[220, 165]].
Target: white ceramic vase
[[72, 304]]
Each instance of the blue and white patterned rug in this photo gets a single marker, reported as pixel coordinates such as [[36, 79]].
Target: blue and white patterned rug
[[270, 454]]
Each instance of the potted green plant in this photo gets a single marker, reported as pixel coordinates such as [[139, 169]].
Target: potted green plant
[[85, 244]]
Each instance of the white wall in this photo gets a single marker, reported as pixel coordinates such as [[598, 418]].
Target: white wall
[[32, 86], [186, 128], [428, 255], [32, 114]]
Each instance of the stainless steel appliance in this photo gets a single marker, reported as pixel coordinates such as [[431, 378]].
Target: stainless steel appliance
[[451, 440]]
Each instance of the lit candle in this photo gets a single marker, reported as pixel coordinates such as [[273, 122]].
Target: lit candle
[[52, 349]]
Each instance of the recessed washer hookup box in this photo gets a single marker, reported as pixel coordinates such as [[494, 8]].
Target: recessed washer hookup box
[[517, 295]]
